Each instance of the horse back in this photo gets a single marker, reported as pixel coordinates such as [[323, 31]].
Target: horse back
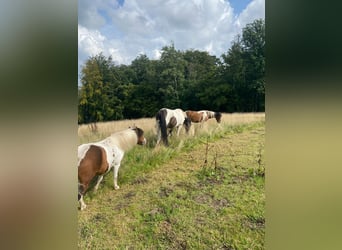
[[195, 116]]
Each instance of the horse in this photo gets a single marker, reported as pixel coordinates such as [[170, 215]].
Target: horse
[[211, 114], [196, 116], [97, 159], [167, 120]]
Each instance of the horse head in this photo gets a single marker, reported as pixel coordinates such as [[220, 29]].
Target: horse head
[[218, 116], [187, 124], [140, 135]]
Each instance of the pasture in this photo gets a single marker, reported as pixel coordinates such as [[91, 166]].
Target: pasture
[[205, 191]]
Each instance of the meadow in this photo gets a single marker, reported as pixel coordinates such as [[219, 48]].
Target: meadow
[[205, 191]]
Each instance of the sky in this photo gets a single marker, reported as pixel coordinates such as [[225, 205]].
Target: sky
[[124, 29]]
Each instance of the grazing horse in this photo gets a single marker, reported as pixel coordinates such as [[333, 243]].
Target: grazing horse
[[196, 116], [211, 114], [203, 116], [167, 120], [97, 159]]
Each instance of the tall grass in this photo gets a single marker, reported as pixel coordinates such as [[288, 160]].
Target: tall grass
[[142, 159], [104, 129]]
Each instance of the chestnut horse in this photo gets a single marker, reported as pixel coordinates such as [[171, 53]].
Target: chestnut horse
[[167, 120], [97, 159]]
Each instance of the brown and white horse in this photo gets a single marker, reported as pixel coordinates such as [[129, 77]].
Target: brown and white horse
[[203, 115], [196, 116], [97, 159], [167, 120]]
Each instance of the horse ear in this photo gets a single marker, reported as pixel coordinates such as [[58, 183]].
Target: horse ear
[[133, 127]]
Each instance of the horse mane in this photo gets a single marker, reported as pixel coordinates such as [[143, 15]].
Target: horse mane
[[137, 130], [125, 139], [161, 118]]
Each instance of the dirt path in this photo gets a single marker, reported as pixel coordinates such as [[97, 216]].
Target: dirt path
[[205, 197]]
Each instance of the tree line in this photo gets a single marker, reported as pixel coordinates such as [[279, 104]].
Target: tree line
[[190, 79]]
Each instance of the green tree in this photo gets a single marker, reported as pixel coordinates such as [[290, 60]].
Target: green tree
[[244, 68], [234, 74], [199, 69], [253, 39], [90, 94], [144, 100], [98, 99], [171, 78]]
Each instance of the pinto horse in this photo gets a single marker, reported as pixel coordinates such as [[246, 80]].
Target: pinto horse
[[203, 115], [196, 116], [97, 159], [212, 114], [167, 120]]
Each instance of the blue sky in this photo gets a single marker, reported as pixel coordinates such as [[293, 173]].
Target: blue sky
[[239, 5], [126, 28]]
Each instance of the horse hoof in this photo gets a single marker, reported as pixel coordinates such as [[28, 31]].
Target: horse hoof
[[116, 187], [83, 207]]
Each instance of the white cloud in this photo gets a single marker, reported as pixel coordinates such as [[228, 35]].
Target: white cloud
[[254, 10], [144, 26], [156, 54], [90, 12], [90, 42]]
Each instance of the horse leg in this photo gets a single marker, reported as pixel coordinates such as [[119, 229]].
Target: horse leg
[[116, 170], [178, 130], [170, 132], [81, 191], [82, 204], [117, 163], [99, 179], [158, 136]]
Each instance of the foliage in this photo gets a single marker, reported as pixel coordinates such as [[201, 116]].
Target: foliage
[[244, 68], [188, 79]]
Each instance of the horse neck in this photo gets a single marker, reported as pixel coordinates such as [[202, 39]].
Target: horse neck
[[125, 140]]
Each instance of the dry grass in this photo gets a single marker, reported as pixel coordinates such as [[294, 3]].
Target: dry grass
[[104, 129], [113, 126], [242, 118]]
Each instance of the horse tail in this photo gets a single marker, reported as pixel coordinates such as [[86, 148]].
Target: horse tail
[[161, 119]]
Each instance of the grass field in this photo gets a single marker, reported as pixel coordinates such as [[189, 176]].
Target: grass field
[[206, 191]]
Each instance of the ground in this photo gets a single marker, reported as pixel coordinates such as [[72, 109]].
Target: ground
[[206, 195]]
